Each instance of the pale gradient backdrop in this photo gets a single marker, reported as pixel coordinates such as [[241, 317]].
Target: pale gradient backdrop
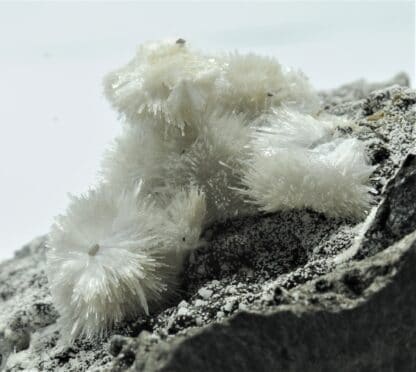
[[55, 122]]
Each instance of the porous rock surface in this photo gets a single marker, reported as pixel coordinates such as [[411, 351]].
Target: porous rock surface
[[290, 291]]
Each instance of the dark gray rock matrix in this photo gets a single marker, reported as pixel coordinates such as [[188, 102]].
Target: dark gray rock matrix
[[289, 291]]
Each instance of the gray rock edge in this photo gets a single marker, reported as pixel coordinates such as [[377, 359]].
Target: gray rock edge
[[249, 306]]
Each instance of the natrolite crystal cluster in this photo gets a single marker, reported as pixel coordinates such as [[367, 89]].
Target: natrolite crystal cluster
[[205, 138]]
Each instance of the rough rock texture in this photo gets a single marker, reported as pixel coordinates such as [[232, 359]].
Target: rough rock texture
[[358, 318], [361, 88], [396, 215], [291, 291]]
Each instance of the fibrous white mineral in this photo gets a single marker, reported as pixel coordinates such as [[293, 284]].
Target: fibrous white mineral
[[116, 255], [205, 138], [298, 163]]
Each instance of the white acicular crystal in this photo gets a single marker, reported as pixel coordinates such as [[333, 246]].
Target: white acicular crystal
[[205, 138], [298, 163], [172, 83], [115, 255]]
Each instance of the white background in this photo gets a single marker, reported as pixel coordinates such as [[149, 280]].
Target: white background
[[55, 122]]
